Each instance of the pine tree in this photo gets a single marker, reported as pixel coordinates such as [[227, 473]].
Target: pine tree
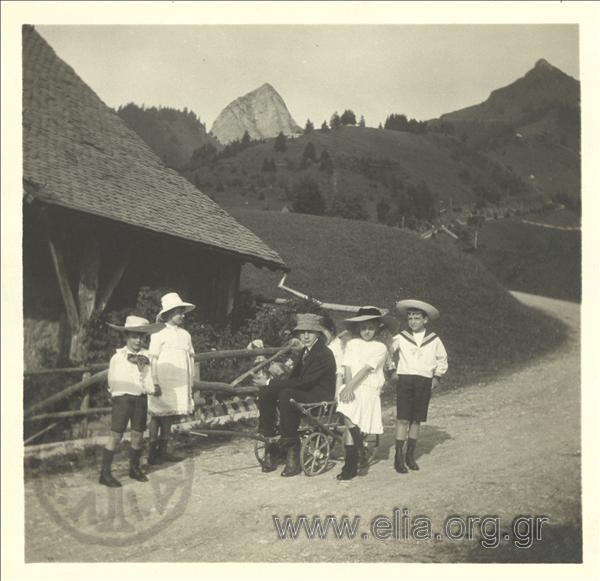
[[280, 142], [326, 163], [309, 153], [335, 121], [324, 127], [348, 117], [307, 197], [361, 123], [309, 126]]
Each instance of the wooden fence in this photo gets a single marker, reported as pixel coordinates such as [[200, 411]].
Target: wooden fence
[[98, 372]]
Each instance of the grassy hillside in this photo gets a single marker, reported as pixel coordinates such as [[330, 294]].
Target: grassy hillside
[[531, 126], [532, 259], [371, 164], [485, 329]]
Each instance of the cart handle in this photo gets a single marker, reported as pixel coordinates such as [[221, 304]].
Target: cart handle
[[205, 433]]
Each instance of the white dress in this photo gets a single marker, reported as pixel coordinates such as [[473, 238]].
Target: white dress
[[364, 410], [172, 348]]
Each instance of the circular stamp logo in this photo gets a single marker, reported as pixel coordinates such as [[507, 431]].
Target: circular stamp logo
[[96, 514]]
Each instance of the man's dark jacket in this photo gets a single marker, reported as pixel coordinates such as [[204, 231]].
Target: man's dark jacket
[[315, 375]]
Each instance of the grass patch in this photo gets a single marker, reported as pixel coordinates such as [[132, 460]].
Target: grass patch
[[532, 259], [485, 329]]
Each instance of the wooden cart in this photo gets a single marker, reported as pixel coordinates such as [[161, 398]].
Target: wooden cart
[[321, 428]]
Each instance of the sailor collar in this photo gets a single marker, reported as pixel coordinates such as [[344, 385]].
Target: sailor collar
[[426, 340]]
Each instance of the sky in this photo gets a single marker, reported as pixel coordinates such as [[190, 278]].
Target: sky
[[421, 71]]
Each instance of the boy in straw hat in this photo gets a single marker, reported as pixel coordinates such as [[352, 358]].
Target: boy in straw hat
[[129, 382], [422, 361], [312, 380]]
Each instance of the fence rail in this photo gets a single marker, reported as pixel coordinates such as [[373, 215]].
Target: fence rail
[[32, 414], [203, 356]]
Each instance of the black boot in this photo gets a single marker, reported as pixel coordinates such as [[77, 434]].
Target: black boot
[[292, 462], [270, 461], [106, 477], [410, 454], [350, 468], [164, 455], [135, 471], [153, 455], [357, 437], [399, 458]]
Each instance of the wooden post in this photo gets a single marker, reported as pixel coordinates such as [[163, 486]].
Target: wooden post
[[88, 287], [113, 281], [227, 287], [58, 260], [89, 302], [85, 405], [88, 281]]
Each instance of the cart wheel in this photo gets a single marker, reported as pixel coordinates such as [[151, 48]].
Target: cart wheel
[[314, 453], [259, 451]]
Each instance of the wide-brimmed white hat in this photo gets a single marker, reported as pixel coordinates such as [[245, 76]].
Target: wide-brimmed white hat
[[135, 324], [408, 304], [172, 301], [367, 313], [310, 322]]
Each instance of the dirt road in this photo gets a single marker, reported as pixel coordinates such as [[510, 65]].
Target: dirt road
[[505, 449]]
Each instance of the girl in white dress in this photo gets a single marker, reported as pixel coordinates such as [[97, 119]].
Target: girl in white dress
[[359, 399], [172, 358]]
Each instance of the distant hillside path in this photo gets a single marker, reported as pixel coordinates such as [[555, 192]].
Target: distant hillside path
[[552, 226], [507, 448]]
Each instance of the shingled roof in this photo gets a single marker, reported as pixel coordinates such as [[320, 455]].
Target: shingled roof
[[77, 153]]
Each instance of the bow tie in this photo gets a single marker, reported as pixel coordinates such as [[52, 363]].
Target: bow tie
[[138, 359]]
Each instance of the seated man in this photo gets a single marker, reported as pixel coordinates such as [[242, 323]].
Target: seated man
[[312, 380]]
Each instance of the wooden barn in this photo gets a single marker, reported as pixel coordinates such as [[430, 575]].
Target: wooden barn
[[102, 217]]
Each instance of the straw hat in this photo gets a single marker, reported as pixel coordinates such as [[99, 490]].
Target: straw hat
[[408, 304], [135, 324], [172, 301], [367, 313], [310, 322]]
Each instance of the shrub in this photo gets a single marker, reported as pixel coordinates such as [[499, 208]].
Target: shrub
[[350, 207], [307, 197]]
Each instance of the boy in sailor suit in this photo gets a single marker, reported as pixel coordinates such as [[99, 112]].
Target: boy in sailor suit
[[422, 361]]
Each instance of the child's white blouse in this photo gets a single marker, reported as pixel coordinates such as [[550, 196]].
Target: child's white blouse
[[171, 337], [360, 353]]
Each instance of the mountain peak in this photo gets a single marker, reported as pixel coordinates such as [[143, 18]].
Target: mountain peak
[[543, 64], [541, 87], [265, 87], [262, 113]]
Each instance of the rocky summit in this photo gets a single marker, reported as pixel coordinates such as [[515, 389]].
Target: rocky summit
[[262, 113]]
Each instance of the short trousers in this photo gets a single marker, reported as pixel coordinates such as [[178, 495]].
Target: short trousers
[[128, 407], [413, 393]]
